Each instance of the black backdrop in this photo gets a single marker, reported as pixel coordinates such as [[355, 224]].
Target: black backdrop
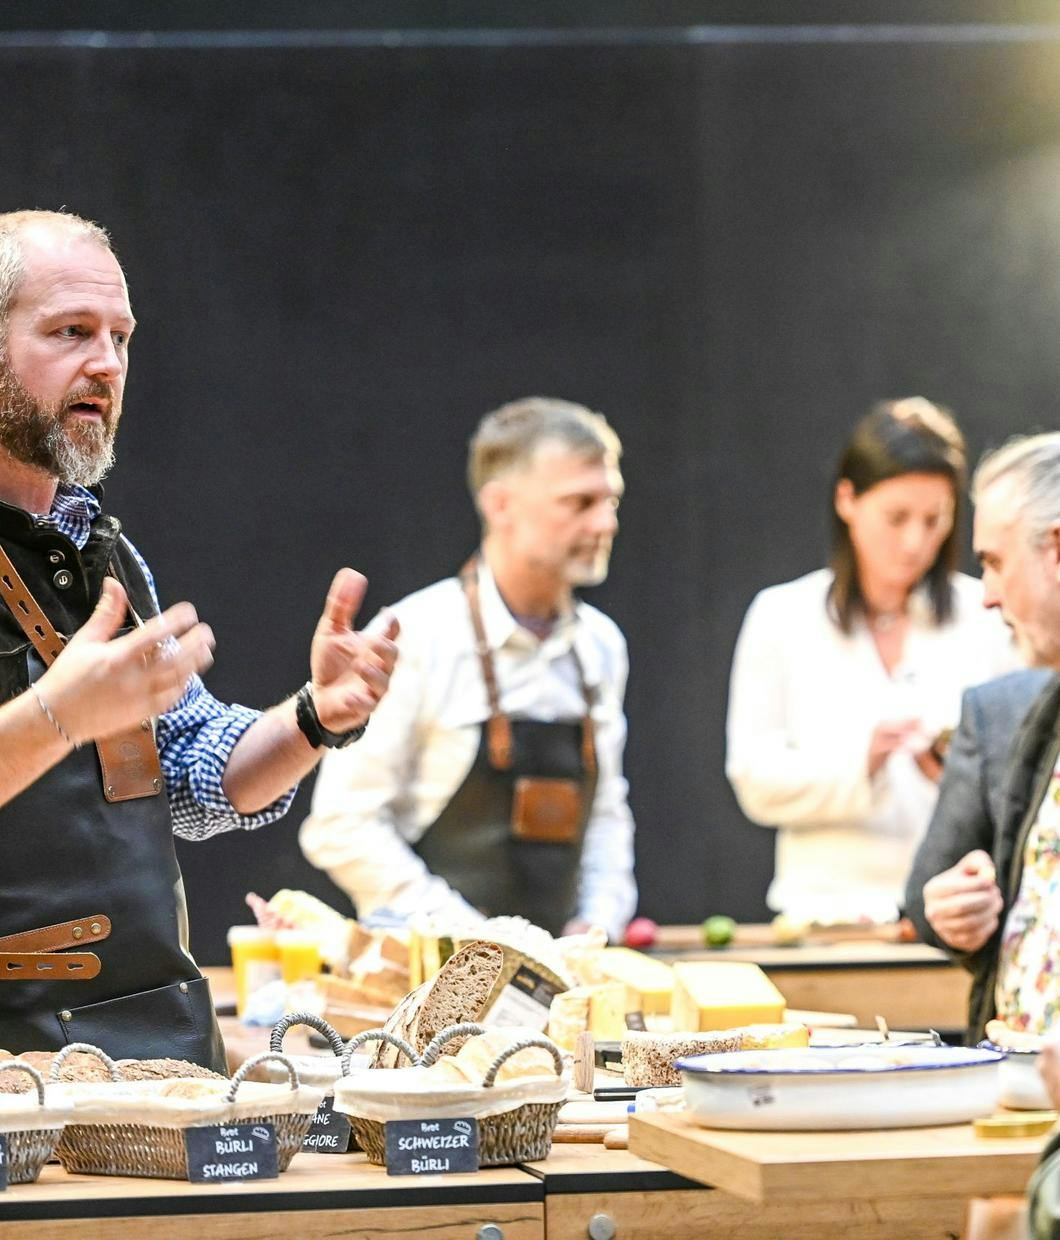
[[344, 249]]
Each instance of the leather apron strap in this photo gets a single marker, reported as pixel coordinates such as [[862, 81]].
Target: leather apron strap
[[498, 726], [129, 760]]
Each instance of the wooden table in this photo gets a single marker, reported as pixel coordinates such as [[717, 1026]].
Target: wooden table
[[911, 985], [895, 1184], [320, 1195]]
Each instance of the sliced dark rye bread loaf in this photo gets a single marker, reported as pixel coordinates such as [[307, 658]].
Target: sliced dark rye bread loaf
[[458, 992]]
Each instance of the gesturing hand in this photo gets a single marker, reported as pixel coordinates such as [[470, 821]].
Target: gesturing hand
[[350, 670], [101, 684], [963, 904]]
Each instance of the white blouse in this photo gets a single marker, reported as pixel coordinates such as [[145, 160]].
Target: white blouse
[[804, 699]]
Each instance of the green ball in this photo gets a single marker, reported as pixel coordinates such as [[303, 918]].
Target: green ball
[[718, 931]]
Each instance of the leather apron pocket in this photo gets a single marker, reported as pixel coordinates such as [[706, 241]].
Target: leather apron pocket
[[546, 811], [171, 1022]]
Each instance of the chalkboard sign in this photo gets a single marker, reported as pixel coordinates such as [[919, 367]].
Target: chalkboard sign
[[231, 1152], [3, 1162], [431, 1146], [330, 1130]]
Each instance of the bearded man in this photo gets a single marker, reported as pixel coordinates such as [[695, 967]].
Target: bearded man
[[85, 656], [491, 780]]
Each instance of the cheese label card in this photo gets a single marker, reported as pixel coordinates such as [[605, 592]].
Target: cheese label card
[[330, 1130], [431, 1146], [3, 1163], [231, 1152], [524, 1001]]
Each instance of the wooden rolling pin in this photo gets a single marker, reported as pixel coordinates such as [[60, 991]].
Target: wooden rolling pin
[[611, 1136]]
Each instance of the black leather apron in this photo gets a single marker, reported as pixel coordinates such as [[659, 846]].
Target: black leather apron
[[68, 852], [471, 844]]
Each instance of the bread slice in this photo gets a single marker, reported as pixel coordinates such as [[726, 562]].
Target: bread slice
[[459, 992]]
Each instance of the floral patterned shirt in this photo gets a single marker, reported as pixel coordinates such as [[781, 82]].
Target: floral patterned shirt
[[1028, 985]]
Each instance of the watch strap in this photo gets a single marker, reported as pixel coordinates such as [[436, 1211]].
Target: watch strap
[[313, 730]]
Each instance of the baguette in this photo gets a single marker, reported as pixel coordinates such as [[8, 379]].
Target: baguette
[[459, 992]]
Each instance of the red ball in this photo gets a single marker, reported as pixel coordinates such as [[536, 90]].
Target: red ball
[[641, 932]]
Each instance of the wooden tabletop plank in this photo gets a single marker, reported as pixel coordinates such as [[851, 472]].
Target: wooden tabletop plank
[[308, 1174], [855, 1166]]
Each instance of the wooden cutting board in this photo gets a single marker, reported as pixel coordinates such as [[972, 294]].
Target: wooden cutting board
[[771, 1167]]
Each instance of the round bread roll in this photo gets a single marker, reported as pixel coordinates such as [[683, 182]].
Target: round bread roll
[[476, 1056], [447, 1072]]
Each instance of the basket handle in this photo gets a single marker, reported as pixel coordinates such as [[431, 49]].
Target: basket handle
[[86, 1049], [313, 1022], [434, 1047], [514, 1049], [29, 1070], [376, 1035], [266, 1056]]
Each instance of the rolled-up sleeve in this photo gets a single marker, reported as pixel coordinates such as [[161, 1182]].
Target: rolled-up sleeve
[[607, 893], [195, 740]]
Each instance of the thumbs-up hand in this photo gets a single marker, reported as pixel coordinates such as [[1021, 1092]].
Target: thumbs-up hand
[[350, 669]]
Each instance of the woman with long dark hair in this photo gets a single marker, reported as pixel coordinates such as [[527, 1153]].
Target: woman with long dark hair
[[845, 681]]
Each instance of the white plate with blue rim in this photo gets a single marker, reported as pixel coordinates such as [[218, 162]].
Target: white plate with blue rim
[[873, 1085]]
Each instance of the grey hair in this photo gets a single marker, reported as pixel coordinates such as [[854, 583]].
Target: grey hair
[[509, 436], [1034, 461], [12, 263]]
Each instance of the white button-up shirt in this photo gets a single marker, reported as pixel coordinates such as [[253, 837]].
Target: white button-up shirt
[[374, 800], [804, 699]]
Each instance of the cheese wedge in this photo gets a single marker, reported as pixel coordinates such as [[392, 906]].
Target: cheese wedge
[[710, 995], [650, 981]]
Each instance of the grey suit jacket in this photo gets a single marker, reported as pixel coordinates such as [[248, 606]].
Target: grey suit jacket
[[971, 804]]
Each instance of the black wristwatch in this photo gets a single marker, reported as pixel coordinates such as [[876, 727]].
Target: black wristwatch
[[314, 731]]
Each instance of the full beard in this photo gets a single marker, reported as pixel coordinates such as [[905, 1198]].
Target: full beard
[[49, 437]]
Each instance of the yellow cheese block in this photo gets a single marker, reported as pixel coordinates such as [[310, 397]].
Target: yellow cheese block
[[651, 981], [709, 995], [600, 1010]]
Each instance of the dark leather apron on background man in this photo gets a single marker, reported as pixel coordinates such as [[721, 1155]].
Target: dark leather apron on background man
[[69, 852], [475, 845]]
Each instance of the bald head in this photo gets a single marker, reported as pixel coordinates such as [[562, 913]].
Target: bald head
[[22, 229], [65, 323]]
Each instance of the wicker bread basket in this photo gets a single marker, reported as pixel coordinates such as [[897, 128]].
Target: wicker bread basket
[[127, 1128], [31, 1133], [320, 1070], [513, 1125]]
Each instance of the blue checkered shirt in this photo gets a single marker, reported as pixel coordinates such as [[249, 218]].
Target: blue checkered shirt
[[196, 737]]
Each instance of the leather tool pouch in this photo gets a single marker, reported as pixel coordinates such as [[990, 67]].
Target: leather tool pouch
[[546, 811], [170, 1022]]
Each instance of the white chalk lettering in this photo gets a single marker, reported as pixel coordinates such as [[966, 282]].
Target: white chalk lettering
[[221, 1171], [430, 1164]]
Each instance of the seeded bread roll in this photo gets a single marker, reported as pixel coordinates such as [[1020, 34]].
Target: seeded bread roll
[[82, 1067], [457, 993], [649, 1058]]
